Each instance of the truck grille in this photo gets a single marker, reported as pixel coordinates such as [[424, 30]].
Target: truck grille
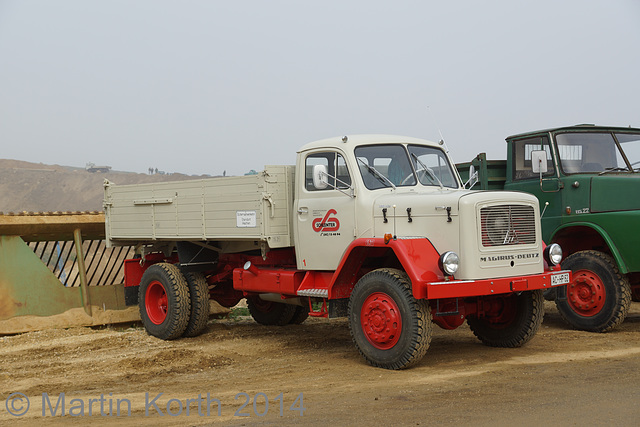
[[504, 225]]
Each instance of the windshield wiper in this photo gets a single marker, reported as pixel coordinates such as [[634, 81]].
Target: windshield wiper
[[373, 171], [616, 169], [428, 170]]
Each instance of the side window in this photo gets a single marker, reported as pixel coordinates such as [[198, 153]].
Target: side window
[[521, 156], [336, 168]]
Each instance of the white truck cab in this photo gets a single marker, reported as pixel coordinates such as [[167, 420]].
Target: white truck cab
[[367, 186]]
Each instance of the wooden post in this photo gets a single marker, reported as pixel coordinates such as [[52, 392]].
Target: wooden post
[[86, 302]]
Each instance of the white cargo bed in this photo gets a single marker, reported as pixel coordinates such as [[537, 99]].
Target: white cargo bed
[[249, 208]]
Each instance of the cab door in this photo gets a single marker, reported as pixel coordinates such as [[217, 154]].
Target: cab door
[[522, 178], [325, 217]]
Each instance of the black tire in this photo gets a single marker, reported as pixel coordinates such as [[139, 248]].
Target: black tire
[[300, 315], [199, 295], [549, 294], [598, 298], [164, 301], [270, 313], [512, 319], [384, 298]]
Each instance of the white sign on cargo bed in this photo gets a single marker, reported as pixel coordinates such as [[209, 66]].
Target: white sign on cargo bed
[[245, 219]]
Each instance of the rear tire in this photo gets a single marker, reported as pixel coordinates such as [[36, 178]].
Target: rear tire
[[300, 315], [270, 313], [390, 328], [199, 297], [164, 301], [598, 298], [510, 320]]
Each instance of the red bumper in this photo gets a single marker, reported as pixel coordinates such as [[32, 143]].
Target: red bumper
[[471, 288]]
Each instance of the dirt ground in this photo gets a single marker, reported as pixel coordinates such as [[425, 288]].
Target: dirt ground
[[312, 374]]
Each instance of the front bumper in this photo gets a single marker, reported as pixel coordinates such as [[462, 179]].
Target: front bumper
[[503, 285]]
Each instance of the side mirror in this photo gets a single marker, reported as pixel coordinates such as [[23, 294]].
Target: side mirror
[[320, 177], [473, 177], [539, 161], [539, 166]]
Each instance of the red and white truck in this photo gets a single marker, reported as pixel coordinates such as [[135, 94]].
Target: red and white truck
[[375, 228]]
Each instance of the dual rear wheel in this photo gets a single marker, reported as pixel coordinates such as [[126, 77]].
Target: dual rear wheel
[[172, 304]]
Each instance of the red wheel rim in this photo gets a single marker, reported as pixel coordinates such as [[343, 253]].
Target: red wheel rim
[[155, 302], [586, 294], [381, 321]]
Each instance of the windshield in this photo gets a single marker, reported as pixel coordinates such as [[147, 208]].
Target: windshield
[[384, 166], [432, 166], [391, 166], [630, 144], [598, 152]]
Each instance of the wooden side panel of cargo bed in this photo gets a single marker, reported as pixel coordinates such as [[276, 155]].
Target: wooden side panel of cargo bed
[[256, 207]]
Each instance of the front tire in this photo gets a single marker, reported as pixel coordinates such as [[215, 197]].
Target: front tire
[[598, 298], [164, 301], [390, 328], [509, 320]]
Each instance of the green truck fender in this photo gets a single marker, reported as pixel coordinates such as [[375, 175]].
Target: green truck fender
[[562, 233]]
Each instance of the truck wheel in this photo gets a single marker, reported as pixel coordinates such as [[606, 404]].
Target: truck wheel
[[199, 295], [549, 294], [598, 298], [164, 301], [270, 313], [300, 315], [509, 320], [390, 328]]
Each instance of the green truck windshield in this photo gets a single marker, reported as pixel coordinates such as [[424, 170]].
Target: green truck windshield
[[598, 152]]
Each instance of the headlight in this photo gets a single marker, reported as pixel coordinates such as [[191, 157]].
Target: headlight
[[448, 263], [553, 254]]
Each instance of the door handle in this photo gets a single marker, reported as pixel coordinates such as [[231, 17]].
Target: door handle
[[303, 211]]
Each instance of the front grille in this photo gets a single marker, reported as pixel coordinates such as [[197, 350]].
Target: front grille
[[505, 225]]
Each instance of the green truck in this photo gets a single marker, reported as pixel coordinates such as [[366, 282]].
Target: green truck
[[587, 180]]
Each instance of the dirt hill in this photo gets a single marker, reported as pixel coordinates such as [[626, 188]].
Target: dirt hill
[[36, 187]]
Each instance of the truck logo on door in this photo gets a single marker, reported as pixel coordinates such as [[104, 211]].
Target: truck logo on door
[[327, 223]]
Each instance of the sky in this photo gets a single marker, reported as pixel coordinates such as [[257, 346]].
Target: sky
[[206, 87]]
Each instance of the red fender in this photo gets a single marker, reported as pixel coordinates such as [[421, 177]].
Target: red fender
[[418, 257]]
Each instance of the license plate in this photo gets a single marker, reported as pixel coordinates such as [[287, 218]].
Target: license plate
[[559, 279]]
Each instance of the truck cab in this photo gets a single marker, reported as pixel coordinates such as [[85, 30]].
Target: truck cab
[[367, 186], [590, 186]]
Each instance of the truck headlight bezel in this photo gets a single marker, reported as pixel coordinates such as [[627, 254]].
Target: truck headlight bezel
[[552, 254], [449, 263]]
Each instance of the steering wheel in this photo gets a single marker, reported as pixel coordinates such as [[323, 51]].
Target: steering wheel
[[410, 176], [424, 172]]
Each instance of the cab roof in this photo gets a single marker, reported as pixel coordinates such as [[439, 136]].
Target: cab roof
[[355, 140], [580, 128]]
